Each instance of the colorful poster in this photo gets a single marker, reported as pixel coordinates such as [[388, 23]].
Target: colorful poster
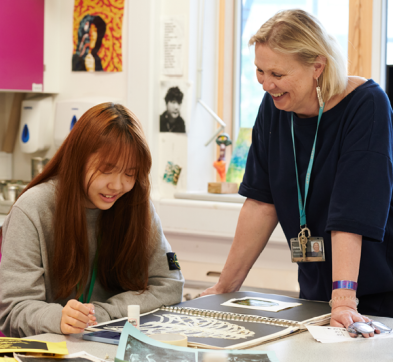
[[97, 35]]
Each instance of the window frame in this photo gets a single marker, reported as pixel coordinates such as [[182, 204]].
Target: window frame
[[367, 58]]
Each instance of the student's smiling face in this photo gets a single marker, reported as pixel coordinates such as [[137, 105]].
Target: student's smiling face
[[107, 183], [291, 84]]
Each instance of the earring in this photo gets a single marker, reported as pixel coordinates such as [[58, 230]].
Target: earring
[[319, 95]]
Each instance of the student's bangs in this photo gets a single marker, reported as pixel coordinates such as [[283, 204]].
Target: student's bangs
[[120, 154], [122, 148]]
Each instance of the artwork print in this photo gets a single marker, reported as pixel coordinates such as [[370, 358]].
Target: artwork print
[[172, 107], [256, 302], [235, 357], [97, 35], [240, 150], [137, 346], [19, 345], [23, 358], [269, 305], [172, 173], [202, 327], [137, 350], [16, 343]]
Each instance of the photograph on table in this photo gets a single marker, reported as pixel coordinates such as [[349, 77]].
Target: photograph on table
[[9, 345], [137, 346], [271, 305], [137, 350], [235, 357]]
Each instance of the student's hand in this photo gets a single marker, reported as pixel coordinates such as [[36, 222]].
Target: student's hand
[[76, 316], [92, 317], [344, 316]]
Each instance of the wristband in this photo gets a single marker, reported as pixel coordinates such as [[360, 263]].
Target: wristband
[[345, 284]]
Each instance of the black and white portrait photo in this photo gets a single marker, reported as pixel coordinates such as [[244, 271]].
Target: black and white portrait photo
[[171, 119], [138, 351]]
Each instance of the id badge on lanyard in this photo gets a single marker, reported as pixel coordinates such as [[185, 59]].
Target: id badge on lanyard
[[306, 248]]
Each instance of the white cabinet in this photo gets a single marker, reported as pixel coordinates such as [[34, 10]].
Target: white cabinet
[[29, 48]]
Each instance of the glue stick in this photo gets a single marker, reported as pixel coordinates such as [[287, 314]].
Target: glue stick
[[133, 315]]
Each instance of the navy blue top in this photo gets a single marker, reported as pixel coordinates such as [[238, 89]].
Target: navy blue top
[[350, 187]]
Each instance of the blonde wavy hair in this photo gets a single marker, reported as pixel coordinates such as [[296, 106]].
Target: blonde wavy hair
[[300, 33]]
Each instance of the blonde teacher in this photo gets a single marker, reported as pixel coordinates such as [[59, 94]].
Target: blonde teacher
[[320, 164]]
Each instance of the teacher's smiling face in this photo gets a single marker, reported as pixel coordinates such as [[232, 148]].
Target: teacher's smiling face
[[291, 84]]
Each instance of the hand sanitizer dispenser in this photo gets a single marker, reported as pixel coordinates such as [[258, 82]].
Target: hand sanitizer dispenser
[[36, 124], [69, 111]]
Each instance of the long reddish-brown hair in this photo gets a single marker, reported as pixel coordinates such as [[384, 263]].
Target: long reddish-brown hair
[[112, 133]]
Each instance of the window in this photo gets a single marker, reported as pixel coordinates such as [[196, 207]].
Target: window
[[389, 51], [333, 14], [389, 40]]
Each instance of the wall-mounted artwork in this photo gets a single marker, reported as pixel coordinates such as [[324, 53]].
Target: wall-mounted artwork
[[172, 173], [97, 35], [172, 107], [237, 165], [173, 49]]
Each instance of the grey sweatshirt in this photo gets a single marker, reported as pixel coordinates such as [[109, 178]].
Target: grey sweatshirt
[[27, 304]]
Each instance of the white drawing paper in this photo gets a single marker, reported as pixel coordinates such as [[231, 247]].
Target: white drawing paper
[[173, 36], [336, 334]]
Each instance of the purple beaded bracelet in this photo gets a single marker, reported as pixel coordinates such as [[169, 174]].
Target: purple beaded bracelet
[[345, 284]]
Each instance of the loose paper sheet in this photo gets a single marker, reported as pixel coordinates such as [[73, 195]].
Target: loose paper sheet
[[173, 36], [336, 334], [269, 305]]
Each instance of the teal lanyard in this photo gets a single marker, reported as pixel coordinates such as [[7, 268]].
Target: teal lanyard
[[92, 281], [302, 207]]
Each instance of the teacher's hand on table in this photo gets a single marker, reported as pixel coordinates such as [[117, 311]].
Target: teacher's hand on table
[[211, 290], [76, 316], [219, 288], [344, 316]]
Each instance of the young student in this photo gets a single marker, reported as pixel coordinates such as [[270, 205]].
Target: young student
[[83, 241]]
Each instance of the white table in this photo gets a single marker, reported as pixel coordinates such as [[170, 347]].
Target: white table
[[297, 348]]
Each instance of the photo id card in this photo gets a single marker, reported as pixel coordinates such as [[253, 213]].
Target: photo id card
[[315, 250]]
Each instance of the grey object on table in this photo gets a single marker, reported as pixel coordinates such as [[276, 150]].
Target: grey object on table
[[298, 348]]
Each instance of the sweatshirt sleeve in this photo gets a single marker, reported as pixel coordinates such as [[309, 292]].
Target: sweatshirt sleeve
[[23, 307], [165, 285]]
